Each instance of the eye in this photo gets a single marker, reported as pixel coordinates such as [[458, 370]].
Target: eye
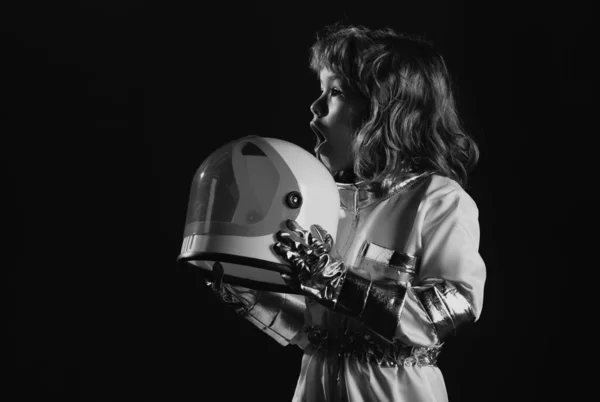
[[335, 92]]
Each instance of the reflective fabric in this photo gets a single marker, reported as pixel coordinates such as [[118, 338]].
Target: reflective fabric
[[432, 228]]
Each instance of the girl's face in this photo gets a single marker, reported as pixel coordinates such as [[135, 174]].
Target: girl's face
[[336, 115]]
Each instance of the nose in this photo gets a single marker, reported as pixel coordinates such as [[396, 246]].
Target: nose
[[318, 107]]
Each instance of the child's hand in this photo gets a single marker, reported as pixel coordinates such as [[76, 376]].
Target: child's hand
[[317, 269], [238, 297]]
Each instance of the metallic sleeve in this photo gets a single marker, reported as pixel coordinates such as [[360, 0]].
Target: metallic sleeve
[[378, 306], [279, 315], [446, 307]]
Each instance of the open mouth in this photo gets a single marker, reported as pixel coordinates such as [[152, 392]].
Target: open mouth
[[320, 137]]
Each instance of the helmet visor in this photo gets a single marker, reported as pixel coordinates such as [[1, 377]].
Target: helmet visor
[[240, 190]]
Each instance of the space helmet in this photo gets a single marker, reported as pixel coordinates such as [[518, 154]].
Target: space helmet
[[241, 196]]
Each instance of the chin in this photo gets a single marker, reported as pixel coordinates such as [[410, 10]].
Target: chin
[[325, 160], [332, 166]]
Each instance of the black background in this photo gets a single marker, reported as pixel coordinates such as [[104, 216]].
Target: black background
[[109, 108]]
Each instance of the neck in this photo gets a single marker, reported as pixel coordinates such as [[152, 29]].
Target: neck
[[345, 176]]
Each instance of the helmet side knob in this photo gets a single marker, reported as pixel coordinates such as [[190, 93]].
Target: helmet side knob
[[294, 199]]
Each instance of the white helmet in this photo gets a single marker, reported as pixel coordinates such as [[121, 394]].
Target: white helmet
[[243, 194]]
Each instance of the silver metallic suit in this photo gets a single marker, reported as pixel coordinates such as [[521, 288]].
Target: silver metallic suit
[[403, 275]]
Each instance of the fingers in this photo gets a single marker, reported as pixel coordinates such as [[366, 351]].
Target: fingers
[[292, 240], [317, 241], [320, 241], [315, 235], [321, 233], [302, 249], [293, 225], [283, 250], [296, 228], [294, 258], [313, 259], [325, 236], [290, 237]]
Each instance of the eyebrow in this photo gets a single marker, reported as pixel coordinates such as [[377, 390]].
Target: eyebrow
[[331, 78]]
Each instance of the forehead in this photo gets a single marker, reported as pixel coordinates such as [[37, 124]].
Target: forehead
[[326, 75]]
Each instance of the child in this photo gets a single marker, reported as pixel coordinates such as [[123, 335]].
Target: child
[[405, 272]]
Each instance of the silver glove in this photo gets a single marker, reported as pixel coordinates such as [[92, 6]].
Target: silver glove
[[320, 273], [279, 315], [318, 269], [240, 298]]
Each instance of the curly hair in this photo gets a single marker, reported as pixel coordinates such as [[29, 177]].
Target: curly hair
[[411, 122]]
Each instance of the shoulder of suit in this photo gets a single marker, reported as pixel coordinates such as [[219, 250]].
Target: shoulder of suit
[[442, 184], [439, 187]]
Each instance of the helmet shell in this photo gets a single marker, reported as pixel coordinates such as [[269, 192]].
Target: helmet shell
[[242, 195]]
